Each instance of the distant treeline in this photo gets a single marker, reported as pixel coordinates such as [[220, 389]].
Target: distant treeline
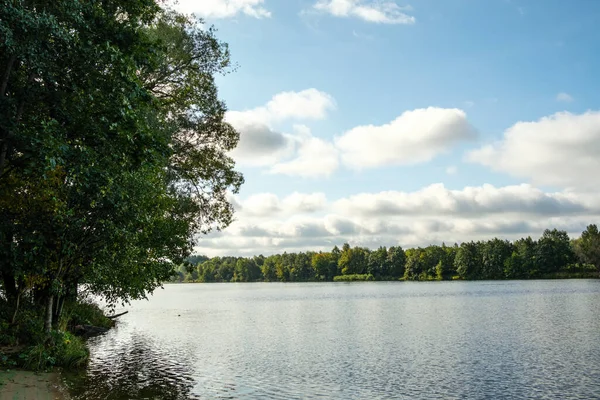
[[554, 255]]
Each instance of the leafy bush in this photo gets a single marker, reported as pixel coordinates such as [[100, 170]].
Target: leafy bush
[[28, 326], [84, 312], [61, 349], [353, 278], [28, 346]]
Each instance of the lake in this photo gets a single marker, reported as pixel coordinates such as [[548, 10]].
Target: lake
[[366, 340]]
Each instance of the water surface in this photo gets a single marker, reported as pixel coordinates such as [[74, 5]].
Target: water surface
[[366, 340]]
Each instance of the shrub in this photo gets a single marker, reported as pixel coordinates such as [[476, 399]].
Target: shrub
[[62, 349], [28, 326], [353, 278], [84, 312], [28, 346]]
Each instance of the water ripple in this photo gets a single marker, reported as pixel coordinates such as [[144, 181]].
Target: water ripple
[[455, 340]]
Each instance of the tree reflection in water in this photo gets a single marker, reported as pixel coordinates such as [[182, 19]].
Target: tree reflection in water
[[134, 368]]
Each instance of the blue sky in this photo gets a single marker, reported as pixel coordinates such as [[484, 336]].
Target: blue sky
[[392, 122]]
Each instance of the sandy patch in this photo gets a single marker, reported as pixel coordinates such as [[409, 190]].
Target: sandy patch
[[25, 385]]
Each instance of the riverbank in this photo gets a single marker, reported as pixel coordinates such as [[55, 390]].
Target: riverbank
[[26, 385], [25, 345]]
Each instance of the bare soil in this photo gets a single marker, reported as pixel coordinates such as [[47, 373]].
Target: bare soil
[[26, 385]]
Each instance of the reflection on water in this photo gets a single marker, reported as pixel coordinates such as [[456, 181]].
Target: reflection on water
[[133, 367], [443, 340]]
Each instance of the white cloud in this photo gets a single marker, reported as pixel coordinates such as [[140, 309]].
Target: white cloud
[[564, 97], [261, 144], [471, 201], [299, 222], [303, 202], [414, 137], [306, 104], [377, 11], [223, 8], [560, 150], [315, 157], [261, 204], [265, 204]]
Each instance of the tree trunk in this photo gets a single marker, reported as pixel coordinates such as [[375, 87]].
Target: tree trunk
[[3, 154], [7, 71], [6, 271], [14, 317], [9, 283], [48, 319], [60, 301]]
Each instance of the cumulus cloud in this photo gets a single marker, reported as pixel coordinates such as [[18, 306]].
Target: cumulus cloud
[[432, 215], [260, 144], [332, 231], [383, 12], [315, 157], [309, 104], [223, 8], [265, 204], [564, 97], [471, 201], [559, 150], [415, 136], [303, 202], [306, 104]]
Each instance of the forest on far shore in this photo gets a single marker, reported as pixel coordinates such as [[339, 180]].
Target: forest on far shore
[[553, 255]]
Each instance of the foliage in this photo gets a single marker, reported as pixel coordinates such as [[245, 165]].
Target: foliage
[[246, 270], [324, 265], [31, 348], [353, 260], [468, 260], [113, 149], [553, 251], [587, 248], [493, 255], [85, 312], [492, 259], [61, 349], [397, 261], [353, 278]]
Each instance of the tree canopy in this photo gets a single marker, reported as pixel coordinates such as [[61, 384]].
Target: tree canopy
[[113, 147], [554, 255]]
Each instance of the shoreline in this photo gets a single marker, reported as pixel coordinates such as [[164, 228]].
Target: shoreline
[[557, 278], [27, 385]]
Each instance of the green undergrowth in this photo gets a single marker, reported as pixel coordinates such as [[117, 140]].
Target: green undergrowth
[[24, 344], [61, 349], [85, 312]]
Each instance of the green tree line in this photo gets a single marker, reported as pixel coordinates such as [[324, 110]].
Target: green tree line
[[553, 255]]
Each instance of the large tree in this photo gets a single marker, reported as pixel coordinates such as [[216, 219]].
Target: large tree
[[468, 260], [553, 251], [588, 246], [113, 147]]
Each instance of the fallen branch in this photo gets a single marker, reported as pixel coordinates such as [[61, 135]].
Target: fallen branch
[[117, 315], [89, 330]]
